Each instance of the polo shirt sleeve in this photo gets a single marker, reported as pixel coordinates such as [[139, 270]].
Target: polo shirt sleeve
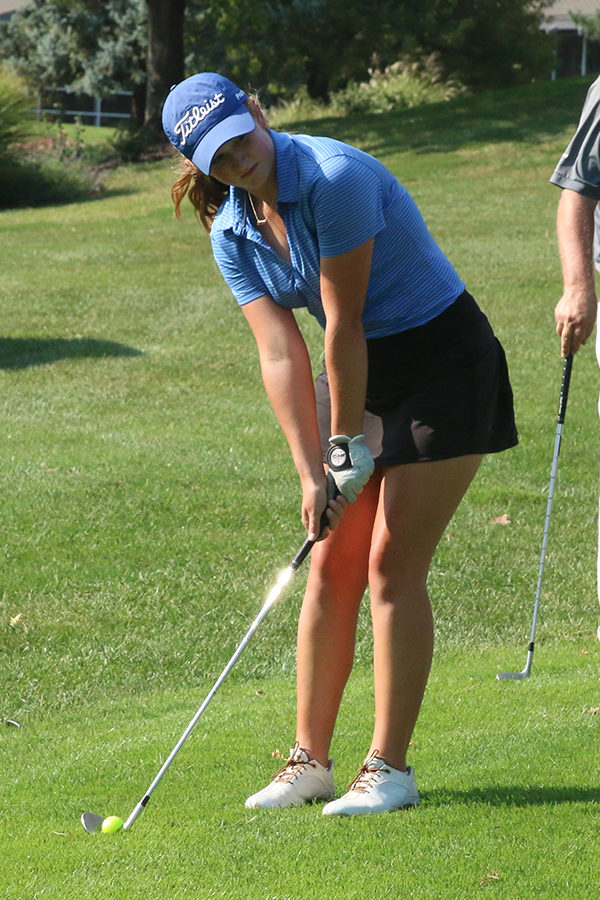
[[347, 204], [243, 280], [579, 167]]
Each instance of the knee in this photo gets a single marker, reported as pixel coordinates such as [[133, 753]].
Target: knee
[[394, 577], [335, 573]]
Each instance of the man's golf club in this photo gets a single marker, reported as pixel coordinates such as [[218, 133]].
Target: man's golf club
[[562, 408], [93, 822]]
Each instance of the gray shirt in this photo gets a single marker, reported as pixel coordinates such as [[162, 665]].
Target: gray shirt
[[579, 167]]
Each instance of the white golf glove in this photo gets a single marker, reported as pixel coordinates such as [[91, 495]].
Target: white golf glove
[[351, 464]]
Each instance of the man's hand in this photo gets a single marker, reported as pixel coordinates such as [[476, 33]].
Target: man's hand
[[575, 315]]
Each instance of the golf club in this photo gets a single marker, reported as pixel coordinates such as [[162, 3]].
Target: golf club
[[93, 822], [562, 408]]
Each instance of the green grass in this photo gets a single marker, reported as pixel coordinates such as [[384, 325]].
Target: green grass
[[509, 793], [75, 131], [149, 502]]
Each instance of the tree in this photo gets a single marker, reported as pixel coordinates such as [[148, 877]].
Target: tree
[[281, 46], [321, 45], [276, 46], [164, 62], [336, 41], [486, 43], [89, 46], [100, 46], [590, 25]]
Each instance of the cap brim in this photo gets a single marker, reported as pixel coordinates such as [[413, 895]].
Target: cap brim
[[238, 123]]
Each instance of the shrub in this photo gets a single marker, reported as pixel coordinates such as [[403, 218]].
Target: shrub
[[46, 170], [406, 83], [25, 184], [36, 171], [14, 105], [135, 143]]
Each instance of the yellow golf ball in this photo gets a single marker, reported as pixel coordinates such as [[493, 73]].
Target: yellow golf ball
[[111, 824]]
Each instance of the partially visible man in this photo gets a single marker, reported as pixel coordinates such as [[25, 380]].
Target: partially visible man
[[578, 225]]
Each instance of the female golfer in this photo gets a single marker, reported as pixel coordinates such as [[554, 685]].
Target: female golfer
[[414, 390]]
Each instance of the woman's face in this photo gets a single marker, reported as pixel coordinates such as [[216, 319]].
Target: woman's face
[[247, 161]]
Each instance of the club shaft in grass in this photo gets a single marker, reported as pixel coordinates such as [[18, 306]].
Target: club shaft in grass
[[272, 598], [268, 604], [562, 408]]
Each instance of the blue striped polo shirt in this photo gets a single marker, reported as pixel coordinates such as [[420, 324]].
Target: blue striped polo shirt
[[332, 198]]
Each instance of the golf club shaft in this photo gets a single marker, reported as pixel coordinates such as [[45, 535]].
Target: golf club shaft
[[272, 598], [238, 652], [562, 408]]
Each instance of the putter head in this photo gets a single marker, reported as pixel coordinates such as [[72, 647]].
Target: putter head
[[91, 822]]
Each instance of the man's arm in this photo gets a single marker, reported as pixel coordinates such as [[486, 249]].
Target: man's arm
[[575, 312]]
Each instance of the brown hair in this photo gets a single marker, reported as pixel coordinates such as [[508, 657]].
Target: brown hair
[[206, 194]]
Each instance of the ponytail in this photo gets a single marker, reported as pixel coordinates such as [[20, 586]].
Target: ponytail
[[205, 193]]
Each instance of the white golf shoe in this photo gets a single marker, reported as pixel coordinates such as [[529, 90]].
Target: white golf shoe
[[301, 780], [377, 788]]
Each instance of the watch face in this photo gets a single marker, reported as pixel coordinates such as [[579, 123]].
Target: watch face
[[338, 457]]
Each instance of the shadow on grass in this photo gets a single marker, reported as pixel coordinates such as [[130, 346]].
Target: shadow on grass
[[513, 795], [20, 353], [35, 179], [526, 113], [17, 198]]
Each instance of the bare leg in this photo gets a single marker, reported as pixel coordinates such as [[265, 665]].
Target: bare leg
[[327, 628], [416, 503]]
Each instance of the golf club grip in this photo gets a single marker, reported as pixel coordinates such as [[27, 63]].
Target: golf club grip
[[307, 546], [564, 389]]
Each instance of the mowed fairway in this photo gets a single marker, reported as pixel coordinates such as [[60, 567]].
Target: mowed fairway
[[149, 503]]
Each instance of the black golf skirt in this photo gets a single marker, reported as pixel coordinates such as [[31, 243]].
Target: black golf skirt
[[437, 391]]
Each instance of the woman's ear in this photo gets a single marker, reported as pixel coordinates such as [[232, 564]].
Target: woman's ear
[[257, 113]]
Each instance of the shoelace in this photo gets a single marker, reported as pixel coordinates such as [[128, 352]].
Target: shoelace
[[292, 768], [367, 775]]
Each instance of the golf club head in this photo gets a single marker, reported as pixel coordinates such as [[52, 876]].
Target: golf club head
[[91, 822], [512, 676]]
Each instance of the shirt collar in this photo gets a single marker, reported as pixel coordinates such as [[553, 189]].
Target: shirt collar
[[288, 182]]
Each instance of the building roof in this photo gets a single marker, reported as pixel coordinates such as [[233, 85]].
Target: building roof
[[557, 16], [8, 7]]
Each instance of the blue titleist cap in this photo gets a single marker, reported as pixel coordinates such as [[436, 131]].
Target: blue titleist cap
[[202, 113]]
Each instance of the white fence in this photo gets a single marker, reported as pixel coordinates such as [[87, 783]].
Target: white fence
[[97, 113]]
